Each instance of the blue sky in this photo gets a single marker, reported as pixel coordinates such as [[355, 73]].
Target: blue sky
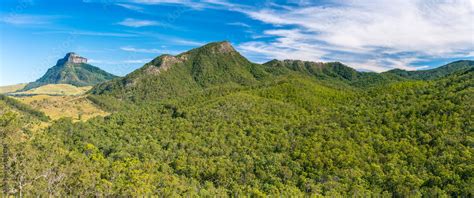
[[120, 36]]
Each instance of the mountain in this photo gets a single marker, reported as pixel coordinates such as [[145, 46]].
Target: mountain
[[167, 76], [339, 72], [74, 70], [219, 64], [318, 69], [434, 73], [335, 72]]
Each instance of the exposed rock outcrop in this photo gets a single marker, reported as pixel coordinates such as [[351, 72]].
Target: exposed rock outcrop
[[71, 57]]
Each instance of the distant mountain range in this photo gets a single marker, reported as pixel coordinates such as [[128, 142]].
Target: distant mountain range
[[74, 70], [434, 73], [214, 64]]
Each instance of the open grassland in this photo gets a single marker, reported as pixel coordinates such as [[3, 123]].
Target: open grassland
[[11, 88], [79, 108], [56, 89], [34, 123]]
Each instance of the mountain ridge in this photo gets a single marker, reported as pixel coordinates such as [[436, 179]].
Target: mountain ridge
[[218, 63], [438, 72]]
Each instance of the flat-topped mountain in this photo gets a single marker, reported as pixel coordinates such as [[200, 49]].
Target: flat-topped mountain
[[72, 69]]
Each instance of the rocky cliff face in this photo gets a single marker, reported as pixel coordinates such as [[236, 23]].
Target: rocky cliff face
[[71, 57]]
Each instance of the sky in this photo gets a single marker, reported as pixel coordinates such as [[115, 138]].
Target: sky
[[120, 36]]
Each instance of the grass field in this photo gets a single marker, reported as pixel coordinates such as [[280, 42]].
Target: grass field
[[11, 88], [79, 108], [57, 100], [55, 89]]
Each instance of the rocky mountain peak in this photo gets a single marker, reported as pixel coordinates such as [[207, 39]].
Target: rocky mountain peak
[[223, 47], [163, 63], [71, 57]]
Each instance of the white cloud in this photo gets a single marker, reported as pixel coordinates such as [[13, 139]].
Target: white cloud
[[130, 7], [139, 23], [239, 24], [161, 1], [187, 3], [149, 51], [132, 49], [187, 42], [195, 4], [138, 61], [369, 28], [87, 33], [95, 61], [120, 62], [24, 19]]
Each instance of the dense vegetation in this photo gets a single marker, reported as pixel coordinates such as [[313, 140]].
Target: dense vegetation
[[433, 73], [281, 129]]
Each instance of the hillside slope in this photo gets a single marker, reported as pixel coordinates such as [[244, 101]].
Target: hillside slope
[[53, 89], [431, 74], [11, 88]]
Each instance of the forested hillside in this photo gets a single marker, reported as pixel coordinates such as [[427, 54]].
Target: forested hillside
[[434, 73], [210, 123]]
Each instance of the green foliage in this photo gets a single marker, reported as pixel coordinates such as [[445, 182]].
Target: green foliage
[[288, 136], [107, 103], [23, 108], [434, 73]]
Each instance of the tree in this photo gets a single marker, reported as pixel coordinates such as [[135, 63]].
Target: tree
[[10, 134]]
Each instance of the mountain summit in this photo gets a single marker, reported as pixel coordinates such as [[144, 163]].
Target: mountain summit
[[166, 76], [71, 57], [72, 69]]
